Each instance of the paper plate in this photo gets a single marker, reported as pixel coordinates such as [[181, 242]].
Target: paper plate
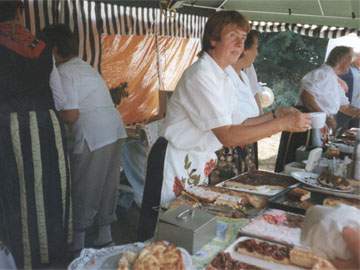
[[107, 258], [311, 180]]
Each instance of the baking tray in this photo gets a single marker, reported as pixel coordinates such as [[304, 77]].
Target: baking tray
[[256, 261], [275, 178], [280, 232], [282, 202], [310, 179]]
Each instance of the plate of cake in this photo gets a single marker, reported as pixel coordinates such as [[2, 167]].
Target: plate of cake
[[259, 183], [264, 254], [137, 256]]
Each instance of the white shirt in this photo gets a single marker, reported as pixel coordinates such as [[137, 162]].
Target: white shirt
[[99, 122], [355, 101], [253, 80], [205, 98], [247, 103], [322, 83]]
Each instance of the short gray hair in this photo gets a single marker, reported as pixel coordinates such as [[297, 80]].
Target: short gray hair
[[337, 54]]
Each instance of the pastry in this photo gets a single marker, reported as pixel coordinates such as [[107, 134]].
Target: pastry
[[332, 201], [303, 258], [203, 194], [299, 194], [224, 261], [264, 250], [284, 219], [159, 256], [250, 185], [229, 200], [126, 260], [332, 181], [307, 259]]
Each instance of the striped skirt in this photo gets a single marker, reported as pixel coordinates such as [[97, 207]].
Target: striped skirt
[[34, 188]]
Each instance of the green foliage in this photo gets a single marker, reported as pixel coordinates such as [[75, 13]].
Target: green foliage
[[284, 58]]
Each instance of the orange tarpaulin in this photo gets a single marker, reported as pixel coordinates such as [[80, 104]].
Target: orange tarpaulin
[[148, 64]]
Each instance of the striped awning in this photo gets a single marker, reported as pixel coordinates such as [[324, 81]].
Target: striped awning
[[320, 31], [90, 19]]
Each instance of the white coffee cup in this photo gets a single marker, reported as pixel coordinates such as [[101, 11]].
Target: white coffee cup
[[318, 119]]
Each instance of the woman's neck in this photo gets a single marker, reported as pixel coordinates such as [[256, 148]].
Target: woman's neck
[[60, 60]]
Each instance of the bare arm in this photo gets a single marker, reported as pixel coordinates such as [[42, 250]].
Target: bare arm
[[350, 111], [258, 120], [280, 112], [309, 101], [238, 135], [69, 116]]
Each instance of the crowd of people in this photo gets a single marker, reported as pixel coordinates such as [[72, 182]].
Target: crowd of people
[[61, 136]]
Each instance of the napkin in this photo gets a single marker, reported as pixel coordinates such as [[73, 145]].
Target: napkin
[[323, 227]]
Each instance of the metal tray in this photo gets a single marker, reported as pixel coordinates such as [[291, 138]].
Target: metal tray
[[282, 202], [260, 227], [311, 184], [273, 179], [256, 261]]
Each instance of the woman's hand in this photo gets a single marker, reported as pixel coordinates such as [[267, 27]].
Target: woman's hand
[[296, 122], [283, 111], [352, 239]]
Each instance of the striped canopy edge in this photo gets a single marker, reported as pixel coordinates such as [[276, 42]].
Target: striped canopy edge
[[90, 19]]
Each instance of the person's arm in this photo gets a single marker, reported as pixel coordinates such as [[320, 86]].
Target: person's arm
[[238, 135], [69, 116], [309, 101], [350, 111], [279, 112], [70, 112], [352, 240]]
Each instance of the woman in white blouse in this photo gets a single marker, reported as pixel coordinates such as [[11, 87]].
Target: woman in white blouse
[[202, 116], [321, 90], [233, 161]]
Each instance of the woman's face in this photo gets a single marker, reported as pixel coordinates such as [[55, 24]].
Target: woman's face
[[251, 53], [344, 64], [231, 44]]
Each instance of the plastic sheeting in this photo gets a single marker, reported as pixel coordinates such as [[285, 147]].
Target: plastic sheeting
[[148, 64]]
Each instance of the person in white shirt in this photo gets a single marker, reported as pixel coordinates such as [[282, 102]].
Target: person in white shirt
[[98, 132], [233, 161], [352, 83], [246, 63], [321, 90], [202, 115]]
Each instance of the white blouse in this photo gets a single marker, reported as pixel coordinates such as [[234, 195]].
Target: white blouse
[[253, 79], [206, 97], [99, 122], [322, 83]]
